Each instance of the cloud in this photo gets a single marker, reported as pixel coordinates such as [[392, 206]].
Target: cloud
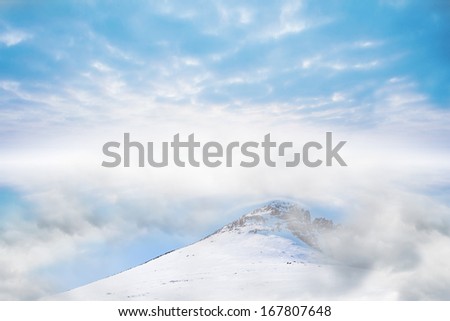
[[12, 38], [225, 72], [402, 236], [288, 22], [77, 202]]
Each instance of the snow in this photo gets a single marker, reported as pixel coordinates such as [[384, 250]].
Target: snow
[[268, 254]]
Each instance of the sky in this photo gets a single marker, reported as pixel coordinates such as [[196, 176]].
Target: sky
[[77, 74]]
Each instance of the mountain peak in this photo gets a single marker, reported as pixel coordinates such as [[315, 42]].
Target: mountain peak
[[280, 218], [267, 254]]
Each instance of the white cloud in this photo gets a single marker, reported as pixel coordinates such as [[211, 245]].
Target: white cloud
[[290, 21], [13, 37], [344, 64], [230, 14], [101, 67], [402, 235], [58, 131], [11, 86], [245, 16], [337, 97], [67, 203], [366, 44]]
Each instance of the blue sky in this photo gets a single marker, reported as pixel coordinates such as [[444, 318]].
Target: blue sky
[[76, 74]]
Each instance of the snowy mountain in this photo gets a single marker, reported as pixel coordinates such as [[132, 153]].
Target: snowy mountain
[[268, 254], [282, 219]]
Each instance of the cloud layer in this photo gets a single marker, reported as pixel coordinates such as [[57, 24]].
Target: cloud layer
[[75, 76]]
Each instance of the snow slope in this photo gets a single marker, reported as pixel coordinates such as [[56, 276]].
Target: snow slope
[[268, 254]]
